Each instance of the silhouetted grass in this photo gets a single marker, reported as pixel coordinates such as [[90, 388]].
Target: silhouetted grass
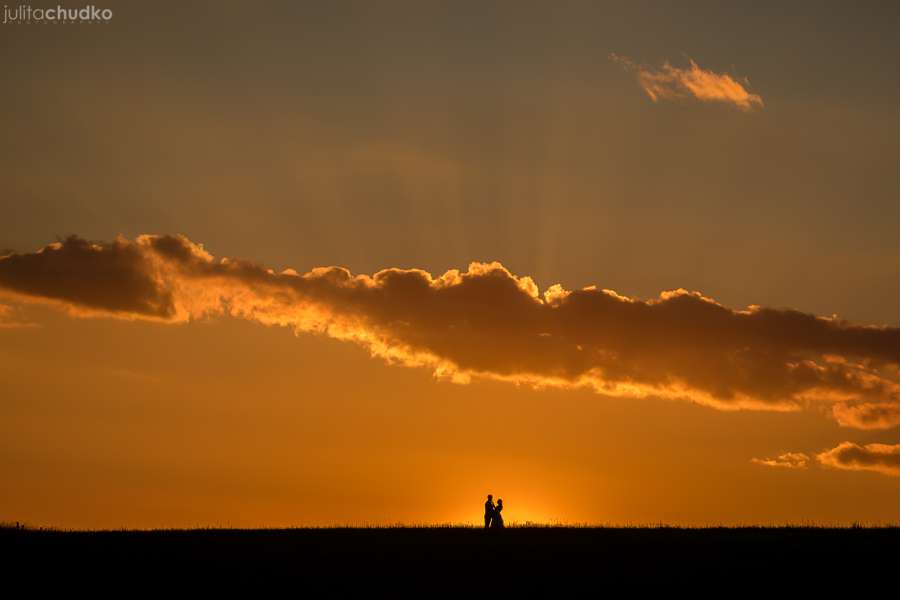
[[8, 525], [532, 554]]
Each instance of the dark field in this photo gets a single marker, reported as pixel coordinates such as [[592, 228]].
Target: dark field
[[457, 558]]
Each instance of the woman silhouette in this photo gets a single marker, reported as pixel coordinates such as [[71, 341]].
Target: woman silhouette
[[497, 521]]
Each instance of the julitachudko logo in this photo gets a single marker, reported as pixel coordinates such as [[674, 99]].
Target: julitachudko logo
[[25, 13]]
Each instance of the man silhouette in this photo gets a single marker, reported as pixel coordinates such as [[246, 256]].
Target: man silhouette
[[488, 511]]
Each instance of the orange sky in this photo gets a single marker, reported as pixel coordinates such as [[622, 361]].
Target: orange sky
[[715, 196]]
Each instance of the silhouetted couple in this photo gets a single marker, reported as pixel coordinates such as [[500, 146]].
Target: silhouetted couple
[[492, 517]]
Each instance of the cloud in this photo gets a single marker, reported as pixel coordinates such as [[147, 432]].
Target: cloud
[[671, 83], [788, 460], [6, 312], [486, 322], [867, 415], [116, 278], [880, 458], [10, 320]]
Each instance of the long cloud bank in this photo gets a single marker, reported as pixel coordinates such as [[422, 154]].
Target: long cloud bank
[[487, 322]]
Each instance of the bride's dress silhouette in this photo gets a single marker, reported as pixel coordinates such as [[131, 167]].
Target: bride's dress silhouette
[[497, 521]]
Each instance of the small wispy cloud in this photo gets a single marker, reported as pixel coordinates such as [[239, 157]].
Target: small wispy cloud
[[788, 460], [879, 458], [670, 83]]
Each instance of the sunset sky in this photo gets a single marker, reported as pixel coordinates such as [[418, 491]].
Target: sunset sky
[[313, 263]]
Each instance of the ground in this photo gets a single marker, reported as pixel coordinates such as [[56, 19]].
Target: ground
[[444, 558]]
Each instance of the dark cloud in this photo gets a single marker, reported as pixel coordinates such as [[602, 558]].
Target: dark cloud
[[868, 415], [487, 322], [880, 458], [114, 277]]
